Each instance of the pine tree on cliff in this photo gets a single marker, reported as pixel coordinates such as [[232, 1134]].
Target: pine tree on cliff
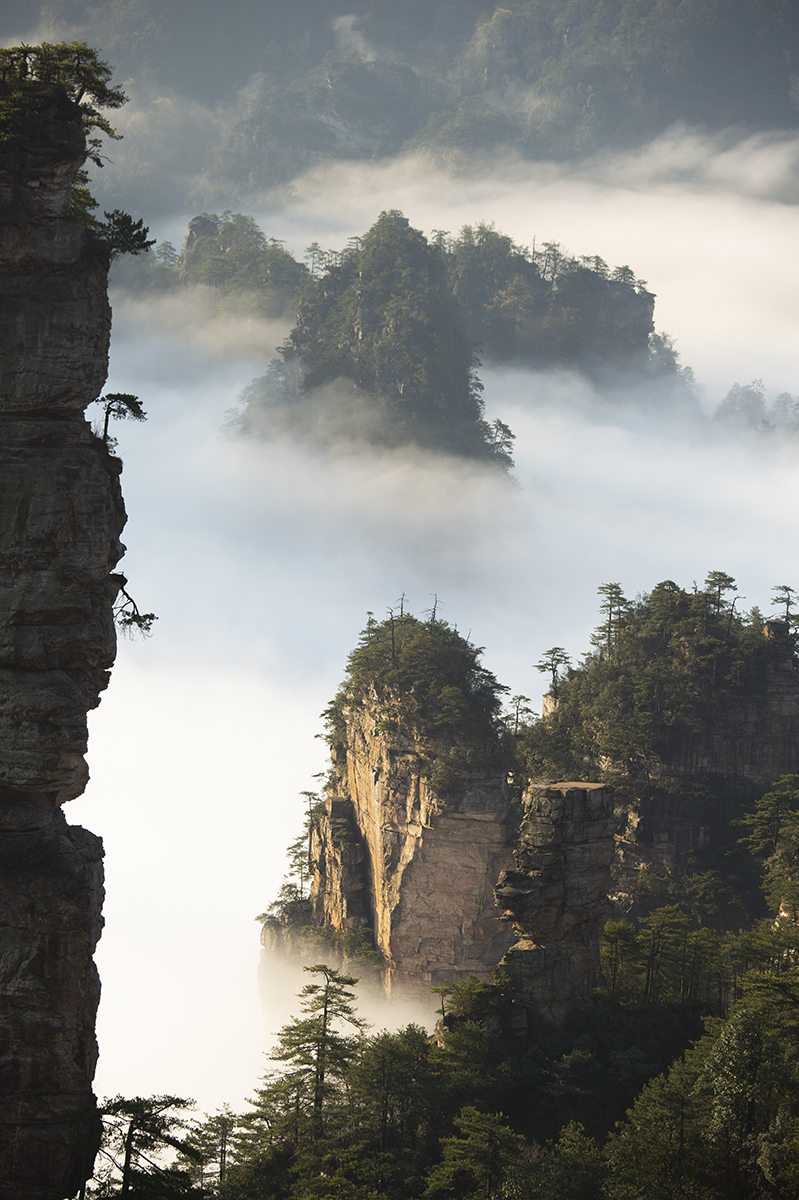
[[382, 317], [315, 1054], [57, 91], [428, 674]]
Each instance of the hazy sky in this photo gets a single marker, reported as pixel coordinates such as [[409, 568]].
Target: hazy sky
[[262, 559]]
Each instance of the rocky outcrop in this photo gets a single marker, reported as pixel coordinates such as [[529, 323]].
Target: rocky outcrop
[[556, 897], [61, 515], [413, 860], [708, 775]]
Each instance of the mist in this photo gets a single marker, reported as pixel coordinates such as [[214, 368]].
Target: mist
[[263, 556]]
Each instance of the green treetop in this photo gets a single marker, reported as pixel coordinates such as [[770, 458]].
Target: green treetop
[[431, 672], [51, 98], [68, 76], [381, 316], [661, 668], [314, 1052], [232, 255]]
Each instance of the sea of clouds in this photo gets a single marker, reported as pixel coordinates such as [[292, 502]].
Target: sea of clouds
[[262, 557]]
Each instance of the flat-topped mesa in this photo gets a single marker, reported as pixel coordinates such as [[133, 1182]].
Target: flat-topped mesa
[[417, 824], [556, 898], [61, 515]]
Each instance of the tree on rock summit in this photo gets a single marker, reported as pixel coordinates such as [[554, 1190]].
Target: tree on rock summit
[[381, 316]]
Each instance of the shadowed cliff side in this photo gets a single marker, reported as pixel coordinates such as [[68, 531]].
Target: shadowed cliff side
[[690, 711], [556, 897], [417, 824], [61, 515]]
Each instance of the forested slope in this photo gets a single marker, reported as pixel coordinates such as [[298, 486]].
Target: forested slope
[[543, 78]]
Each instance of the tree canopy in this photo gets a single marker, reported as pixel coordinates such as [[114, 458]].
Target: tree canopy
[[67, 79], [662, 665], [381, 317]]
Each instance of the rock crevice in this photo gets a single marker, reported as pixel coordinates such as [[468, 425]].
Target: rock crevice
[[414, 862]]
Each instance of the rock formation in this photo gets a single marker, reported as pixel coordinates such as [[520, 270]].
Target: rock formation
[[418, 868], [410, 850], [62, 515], [416, 829], [556, 897]]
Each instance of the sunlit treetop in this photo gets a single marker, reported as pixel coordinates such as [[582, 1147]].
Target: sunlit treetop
[[67, 77]]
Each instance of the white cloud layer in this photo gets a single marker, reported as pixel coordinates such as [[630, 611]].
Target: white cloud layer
[[262, 559]]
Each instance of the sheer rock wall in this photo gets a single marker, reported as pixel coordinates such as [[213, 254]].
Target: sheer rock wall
[[416, 866], [556, 897], [61, 515]]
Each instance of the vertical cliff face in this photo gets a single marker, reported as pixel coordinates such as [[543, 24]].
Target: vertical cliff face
[[61, 515], [417, 823], [556, 897]]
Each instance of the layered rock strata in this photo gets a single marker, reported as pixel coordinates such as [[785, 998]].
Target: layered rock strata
[[61, 515], [415, 863], [556, 897]]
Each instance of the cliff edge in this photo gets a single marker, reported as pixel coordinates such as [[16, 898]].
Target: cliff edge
[[62, 515], [417, 823]]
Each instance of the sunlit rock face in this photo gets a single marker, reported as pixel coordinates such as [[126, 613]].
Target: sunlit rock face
[[61, 515], [556, 897], [416, 864]]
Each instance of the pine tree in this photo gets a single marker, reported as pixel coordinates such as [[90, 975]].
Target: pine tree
[[315, 1053]]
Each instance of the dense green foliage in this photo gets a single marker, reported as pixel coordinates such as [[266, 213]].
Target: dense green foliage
[[67, 82], [426, 676], [394, 322], [479, 1116], [231, 255], [662, 667], [51, 97], [245, 272], [543, 307], [381, 322], [547, 308], [431, 688]]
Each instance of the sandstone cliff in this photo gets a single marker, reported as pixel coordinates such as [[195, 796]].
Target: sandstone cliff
[[62, 515], [556, 897], [417, 823]]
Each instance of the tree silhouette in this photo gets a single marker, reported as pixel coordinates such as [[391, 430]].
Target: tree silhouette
[[316, 1053], [552, 661], [119, 406], [136, 1127]]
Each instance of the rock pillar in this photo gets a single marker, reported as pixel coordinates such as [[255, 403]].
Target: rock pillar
[[61, 515], [556, 898], [415, 862]]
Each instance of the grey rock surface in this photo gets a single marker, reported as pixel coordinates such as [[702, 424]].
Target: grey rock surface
[[415, 864], [61, 516], [556, 897]]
